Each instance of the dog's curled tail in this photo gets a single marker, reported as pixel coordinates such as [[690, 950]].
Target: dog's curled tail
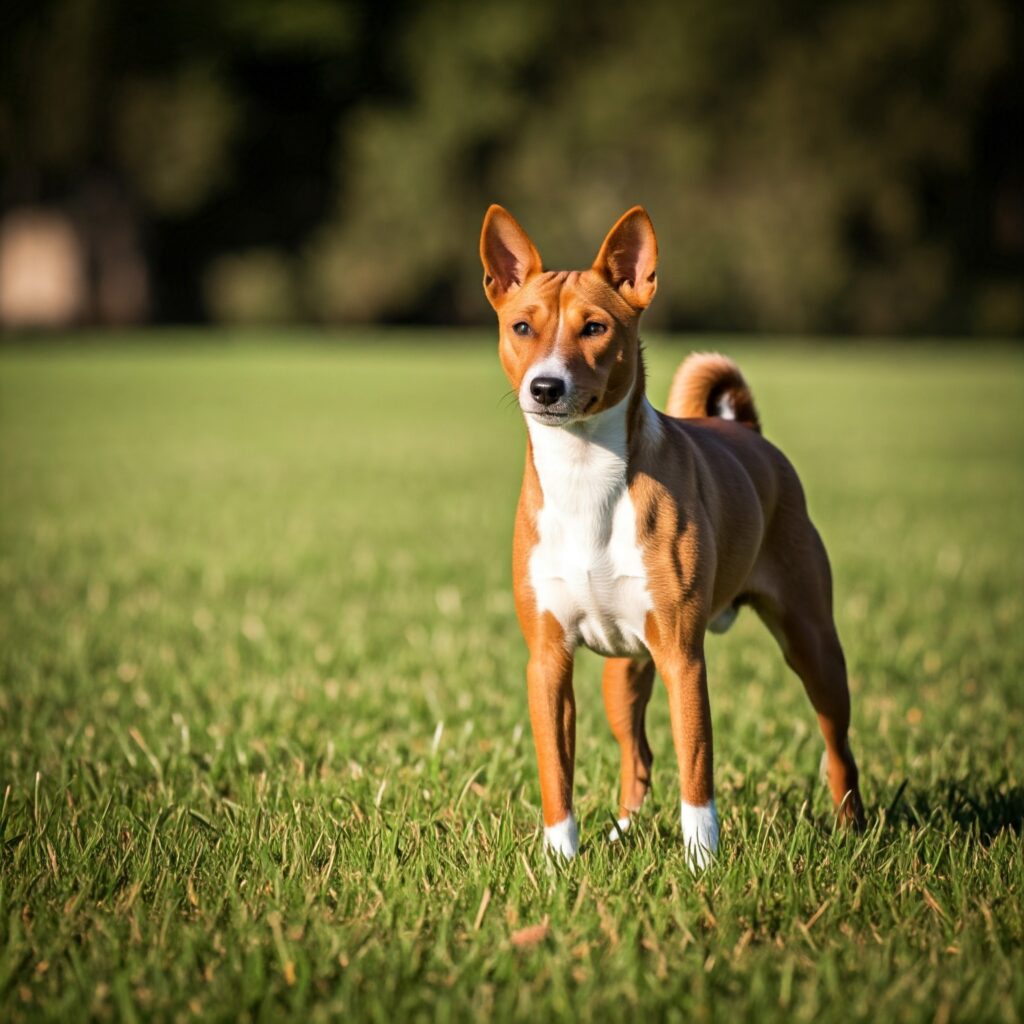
[[709, 384]]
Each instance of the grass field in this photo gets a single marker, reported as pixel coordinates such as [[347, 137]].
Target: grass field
[[264, 748]]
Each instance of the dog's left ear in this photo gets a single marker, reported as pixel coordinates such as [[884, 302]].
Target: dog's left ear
[[628, 260]]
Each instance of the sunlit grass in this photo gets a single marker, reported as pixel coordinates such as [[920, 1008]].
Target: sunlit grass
[[263, 737]]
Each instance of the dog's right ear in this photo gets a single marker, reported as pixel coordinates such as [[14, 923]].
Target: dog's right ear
[[508, 255]]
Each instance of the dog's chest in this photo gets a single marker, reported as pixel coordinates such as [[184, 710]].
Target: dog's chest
[[587, 568]]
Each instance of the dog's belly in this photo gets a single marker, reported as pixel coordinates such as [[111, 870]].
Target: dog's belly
[[589, 573]]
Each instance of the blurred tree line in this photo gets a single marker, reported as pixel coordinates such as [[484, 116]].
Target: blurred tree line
[[835, 165]]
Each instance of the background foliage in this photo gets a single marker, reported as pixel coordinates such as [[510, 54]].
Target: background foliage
[[851, 165]]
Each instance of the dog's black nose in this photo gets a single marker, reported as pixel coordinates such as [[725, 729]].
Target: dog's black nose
[[547, 390]]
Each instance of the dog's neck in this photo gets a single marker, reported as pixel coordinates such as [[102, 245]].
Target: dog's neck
[[587, 463]]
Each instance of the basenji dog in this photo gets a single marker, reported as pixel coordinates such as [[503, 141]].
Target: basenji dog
[[637, 531]]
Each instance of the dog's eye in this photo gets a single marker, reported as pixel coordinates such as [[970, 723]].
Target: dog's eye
[[522, 328], [592, 328]]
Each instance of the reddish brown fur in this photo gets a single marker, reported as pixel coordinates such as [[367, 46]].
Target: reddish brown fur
[[720, 516]]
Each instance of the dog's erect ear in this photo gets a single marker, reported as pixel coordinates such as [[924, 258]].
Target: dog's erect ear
[[508, 255], [628, 260]]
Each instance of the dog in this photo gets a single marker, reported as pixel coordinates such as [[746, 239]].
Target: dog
[[637, 531]]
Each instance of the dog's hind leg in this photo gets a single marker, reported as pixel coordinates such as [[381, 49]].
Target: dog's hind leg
[[798, 612], [627, 689]]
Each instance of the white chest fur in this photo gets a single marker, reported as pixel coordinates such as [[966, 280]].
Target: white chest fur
[[587, 568]]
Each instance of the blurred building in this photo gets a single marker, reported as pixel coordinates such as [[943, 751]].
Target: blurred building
[[42, 270]]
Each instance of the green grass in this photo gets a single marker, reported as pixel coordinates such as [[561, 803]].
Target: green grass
[[264, 747]]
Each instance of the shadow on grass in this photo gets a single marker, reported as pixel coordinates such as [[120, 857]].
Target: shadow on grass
[[985, 810], [988, 809]]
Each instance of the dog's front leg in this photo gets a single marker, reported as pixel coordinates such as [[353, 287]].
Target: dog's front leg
[[685, 676], [553, 717]]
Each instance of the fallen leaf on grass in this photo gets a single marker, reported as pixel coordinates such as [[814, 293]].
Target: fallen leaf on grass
[[527, 937]]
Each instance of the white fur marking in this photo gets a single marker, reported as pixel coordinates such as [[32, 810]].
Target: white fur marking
[[587, 568], [623, 826], [700, 832], [726, 408], [563, 838]]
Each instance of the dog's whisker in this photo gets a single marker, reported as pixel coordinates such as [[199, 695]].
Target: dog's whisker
[[509, 400]]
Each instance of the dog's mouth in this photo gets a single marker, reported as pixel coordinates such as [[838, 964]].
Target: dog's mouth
[[548, 416], [560, 413]]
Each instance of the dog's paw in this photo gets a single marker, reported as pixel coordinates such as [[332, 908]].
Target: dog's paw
[[563, 839], [622, 825], [700, 833]]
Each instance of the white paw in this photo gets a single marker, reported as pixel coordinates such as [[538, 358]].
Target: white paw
[[563, 838], [700, 832], [613, 836]]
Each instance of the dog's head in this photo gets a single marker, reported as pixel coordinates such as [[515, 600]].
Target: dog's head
[[568, 339]]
